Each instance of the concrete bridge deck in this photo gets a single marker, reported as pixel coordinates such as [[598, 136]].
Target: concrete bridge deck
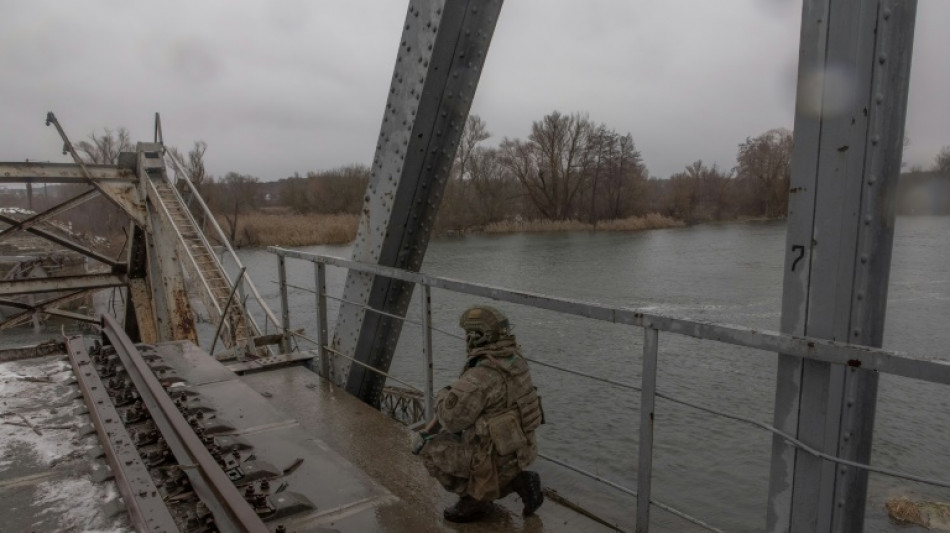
[[360, 467]]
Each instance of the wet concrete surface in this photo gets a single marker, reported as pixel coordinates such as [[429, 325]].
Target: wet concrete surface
[[379, 447], [50, 476], [357, 474]]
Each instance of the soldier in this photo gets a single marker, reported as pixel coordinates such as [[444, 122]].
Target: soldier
[[483, 435]]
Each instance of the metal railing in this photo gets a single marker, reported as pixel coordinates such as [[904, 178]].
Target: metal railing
[[867, 358]]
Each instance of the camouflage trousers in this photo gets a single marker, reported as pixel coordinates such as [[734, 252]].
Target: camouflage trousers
[[469, 469]]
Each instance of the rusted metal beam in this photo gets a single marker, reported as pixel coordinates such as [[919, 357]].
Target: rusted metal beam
[[78, 317], [63, 173], [60, 283], [65, 243]]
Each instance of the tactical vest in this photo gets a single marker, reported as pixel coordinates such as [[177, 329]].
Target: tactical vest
[[510, 427]]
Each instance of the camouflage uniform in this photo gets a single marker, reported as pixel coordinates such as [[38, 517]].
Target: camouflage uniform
[[488, 417]]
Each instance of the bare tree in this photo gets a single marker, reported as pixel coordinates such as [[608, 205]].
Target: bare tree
[[493, 187], [617, 175], [339, 190], [765, 163], [193, 165], [550, 164], [235, 193], [474, 133], [942, 161], [105, 149]]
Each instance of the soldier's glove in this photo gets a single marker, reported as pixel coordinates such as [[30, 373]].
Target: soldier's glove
[[419, 441]]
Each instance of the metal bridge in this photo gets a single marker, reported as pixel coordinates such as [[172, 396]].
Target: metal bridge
[[838, 250]]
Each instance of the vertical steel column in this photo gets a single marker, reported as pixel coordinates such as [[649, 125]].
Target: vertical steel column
[[442, 49], [427, 347], [647, 403], [854, 69], [284, 305], [320, 283]]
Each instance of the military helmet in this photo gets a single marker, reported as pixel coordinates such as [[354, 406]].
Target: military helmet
[[483, 325]]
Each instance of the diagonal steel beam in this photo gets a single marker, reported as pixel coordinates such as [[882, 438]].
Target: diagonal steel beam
[[49, 213], [441, 54], [123, 195], [60, 283], [46, 306], [65, 243]]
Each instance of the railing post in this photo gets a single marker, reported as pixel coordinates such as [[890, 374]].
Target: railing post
[[647, 400], [284, 307], [320, 283], [427, 347]]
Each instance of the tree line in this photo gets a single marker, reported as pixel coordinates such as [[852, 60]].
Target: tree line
[[571, 168], [568, 168]]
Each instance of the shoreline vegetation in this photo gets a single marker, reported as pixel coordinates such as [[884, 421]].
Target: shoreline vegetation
[[277, 228]]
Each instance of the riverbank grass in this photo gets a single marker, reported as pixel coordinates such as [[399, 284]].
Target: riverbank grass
[[287, 229], [646, 222], [276, 229]]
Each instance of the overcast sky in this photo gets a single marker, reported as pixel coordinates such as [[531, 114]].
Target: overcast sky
[[290, 86]]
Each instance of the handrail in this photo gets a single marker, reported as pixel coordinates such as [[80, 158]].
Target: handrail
[[227, 244], [865, 357]]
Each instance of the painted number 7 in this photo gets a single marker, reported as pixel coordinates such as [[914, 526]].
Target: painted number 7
[[801, 254]]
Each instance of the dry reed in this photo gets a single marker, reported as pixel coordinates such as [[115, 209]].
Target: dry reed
[[260, 229], [276, 228], [931, 515], [649, 221]]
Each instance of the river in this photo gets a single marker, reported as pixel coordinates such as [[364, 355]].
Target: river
[[713, 468]]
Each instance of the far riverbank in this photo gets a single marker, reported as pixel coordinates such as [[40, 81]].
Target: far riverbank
[[282, 228]]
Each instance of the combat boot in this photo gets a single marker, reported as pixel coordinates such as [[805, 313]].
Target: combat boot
[[528, 485], [467, 509]]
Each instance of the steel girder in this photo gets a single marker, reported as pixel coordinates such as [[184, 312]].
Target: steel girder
[[441, 54], [60, 283], [63, 173], [848, 140], [154, 253]]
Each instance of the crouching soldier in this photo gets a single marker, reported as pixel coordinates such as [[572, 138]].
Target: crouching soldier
[[483, 435]]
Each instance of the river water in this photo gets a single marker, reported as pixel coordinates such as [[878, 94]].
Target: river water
[[713, 468]]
